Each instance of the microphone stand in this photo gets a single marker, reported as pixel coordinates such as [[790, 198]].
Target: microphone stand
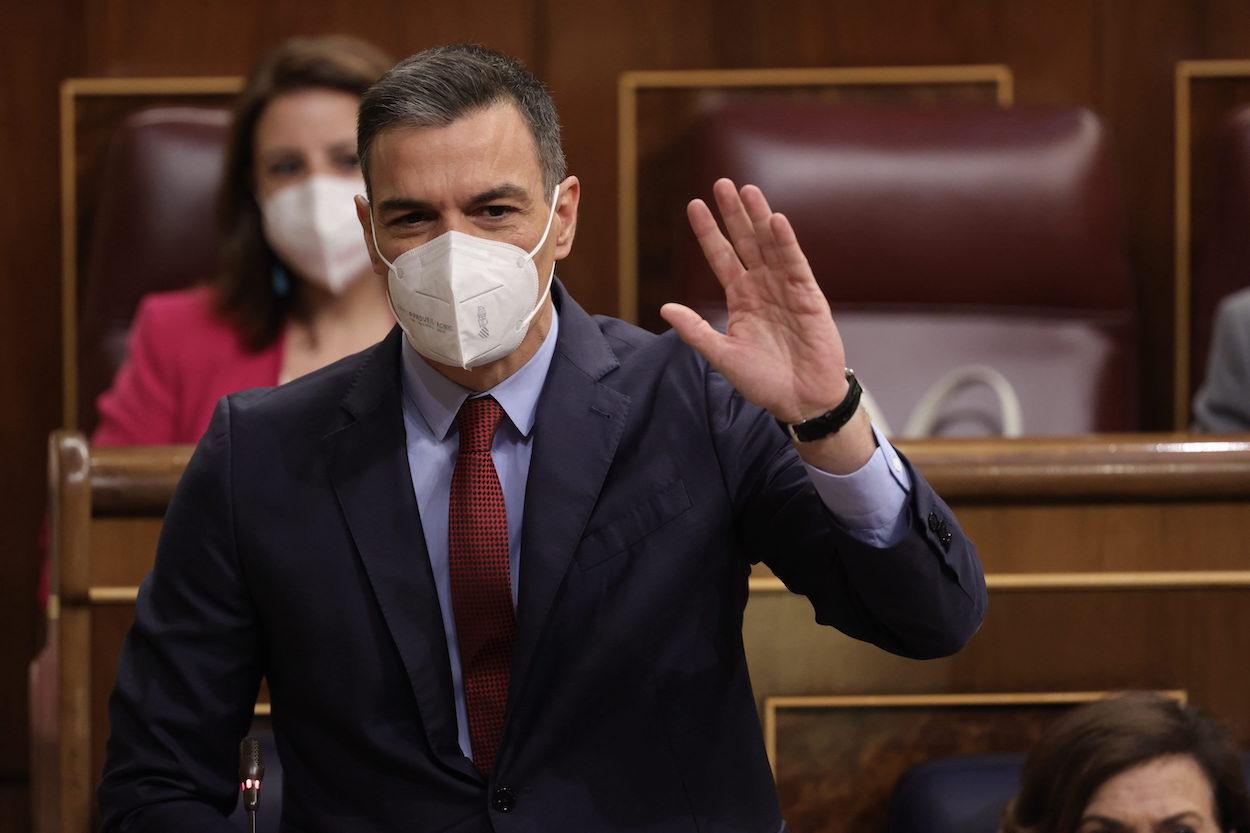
[[251, 772]]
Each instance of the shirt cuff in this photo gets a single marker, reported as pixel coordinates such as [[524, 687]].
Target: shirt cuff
[[871, 502]]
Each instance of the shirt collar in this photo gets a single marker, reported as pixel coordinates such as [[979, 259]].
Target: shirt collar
[[438, 399]]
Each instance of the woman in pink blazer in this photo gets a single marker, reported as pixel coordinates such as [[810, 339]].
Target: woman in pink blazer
[[182, 358], [293, 290]]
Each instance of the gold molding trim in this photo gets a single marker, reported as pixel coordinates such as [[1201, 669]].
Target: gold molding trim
[[772, 705], [69, 264], [71, 90], [994, 582], [629, 84], [161, 85], [112, 595], [1186, 73], [1052, 582], [999, 74]]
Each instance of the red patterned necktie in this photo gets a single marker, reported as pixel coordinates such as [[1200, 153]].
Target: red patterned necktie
[[481, 593]]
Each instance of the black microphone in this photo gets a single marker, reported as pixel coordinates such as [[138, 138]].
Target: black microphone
[[251, 772]]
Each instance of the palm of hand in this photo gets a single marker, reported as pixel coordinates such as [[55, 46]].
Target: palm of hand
[[781, 348]]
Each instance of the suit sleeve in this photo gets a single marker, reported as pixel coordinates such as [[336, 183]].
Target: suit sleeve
[[190, 667], [1222, 404], [140, 407], [922, 597]]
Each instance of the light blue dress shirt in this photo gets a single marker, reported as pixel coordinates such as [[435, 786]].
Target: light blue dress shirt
[[869, 503]]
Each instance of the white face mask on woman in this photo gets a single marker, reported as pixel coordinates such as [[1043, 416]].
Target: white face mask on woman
[[312, 226], [466, 301]]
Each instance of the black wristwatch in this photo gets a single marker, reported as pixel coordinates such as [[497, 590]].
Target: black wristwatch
[[830, 422]]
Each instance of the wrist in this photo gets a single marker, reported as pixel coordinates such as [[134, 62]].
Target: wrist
[[844, 452], [830, 421]]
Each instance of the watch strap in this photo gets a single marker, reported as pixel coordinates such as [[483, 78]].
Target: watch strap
[[830, 422]]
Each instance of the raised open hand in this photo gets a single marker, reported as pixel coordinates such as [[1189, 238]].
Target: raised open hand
[[781, 349]]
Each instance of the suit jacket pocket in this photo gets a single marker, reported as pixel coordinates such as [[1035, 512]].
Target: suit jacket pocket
[[631, 526]]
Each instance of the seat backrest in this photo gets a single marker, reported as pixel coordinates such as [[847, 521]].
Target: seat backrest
[[152, 229], [961, 794], [1221, 244], [946, 236]]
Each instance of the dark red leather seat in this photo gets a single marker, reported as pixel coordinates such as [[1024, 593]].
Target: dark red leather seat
[[943, 237], [152, 229]]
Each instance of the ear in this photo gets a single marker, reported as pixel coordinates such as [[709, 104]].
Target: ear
[[364, 215], [566, 216]]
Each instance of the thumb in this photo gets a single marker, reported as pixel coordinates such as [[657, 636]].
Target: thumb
[[695, 331]]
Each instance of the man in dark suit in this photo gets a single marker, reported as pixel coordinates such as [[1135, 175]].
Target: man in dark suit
[[499, 586]]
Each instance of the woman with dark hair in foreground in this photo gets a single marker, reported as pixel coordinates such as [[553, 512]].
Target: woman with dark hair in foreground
[[1138, 763]]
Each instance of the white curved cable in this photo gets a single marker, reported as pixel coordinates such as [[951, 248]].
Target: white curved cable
[[927, 411]]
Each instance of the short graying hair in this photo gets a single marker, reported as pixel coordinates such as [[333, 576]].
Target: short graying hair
[[441, 85]]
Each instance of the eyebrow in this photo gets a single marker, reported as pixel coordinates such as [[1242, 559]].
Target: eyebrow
[[1116, 825], [1107, 823], [503, 191], [279, 152], [1192, 814]]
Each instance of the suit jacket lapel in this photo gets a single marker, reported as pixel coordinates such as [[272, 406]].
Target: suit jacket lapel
[[370, 474], [578, 425]]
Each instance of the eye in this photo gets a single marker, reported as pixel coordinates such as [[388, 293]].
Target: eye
[[285, 167], [347, 161], [1178, 826], [412, 218], [498, 212]]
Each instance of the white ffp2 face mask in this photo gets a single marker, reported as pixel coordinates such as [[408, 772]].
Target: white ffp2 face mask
[[312, 226], [466, 301]]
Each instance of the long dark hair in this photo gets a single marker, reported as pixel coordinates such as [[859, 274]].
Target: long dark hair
[[1090, 745], [244, 278]]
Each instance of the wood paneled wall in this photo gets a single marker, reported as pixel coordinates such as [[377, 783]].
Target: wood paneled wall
[[1116, 56]]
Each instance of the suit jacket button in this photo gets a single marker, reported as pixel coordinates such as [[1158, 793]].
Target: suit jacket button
[[503, 801]]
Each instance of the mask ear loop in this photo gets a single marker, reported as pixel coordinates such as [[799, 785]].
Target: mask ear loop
[[373, 232], [525, 323], [555, 196]]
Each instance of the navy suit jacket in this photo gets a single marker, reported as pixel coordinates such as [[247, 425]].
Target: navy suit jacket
[[293, 550]]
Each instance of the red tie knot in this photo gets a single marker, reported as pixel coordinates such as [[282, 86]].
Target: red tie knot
[[478, 419]]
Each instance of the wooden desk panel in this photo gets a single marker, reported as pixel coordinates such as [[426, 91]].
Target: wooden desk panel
[[1113, 563], [123, 550], [1191, 641], [1152, 523]]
